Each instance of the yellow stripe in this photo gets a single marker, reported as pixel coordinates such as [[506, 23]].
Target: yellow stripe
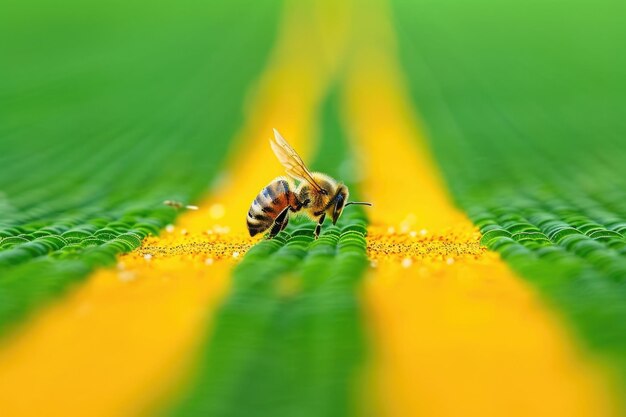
[[121, 343], [456, 333]]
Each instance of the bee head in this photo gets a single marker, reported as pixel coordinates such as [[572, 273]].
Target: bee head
[[339, 201]]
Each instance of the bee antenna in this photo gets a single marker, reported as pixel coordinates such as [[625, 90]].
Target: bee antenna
[[360, 203]]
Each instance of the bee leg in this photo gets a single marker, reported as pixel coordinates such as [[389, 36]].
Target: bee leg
[[278, 223], [282, 227], [318, 228]]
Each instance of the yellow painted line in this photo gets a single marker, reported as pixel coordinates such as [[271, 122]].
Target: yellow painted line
[[456, 333], [121, 344]]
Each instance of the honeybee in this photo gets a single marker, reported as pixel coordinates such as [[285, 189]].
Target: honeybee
[[316, 194]]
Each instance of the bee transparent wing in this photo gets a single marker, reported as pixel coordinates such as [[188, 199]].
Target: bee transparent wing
[[292, 162]]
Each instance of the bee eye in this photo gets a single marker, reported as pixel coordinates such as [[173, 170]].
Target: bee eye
[[339, 202], [324, 192]]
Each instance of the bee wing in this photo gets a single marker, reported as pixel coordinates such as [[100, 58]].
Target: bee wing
[[291, 161]]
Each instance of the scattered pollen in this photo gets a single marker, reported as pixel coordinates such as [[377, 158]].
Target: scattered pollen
[[188, 248], [460, 244]]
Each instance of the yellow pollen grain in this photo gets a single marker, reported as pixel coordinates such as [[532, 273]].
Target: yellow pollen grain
[[394, 247], [121, 344], [455, 331]]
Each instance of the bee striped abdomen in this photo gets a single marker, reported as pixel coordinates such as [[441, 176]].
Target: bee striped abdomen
[[270, 202]]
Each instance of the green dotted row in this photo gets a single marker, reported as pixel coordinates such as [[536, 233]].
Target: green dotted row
[[557, 238], [70, 239]]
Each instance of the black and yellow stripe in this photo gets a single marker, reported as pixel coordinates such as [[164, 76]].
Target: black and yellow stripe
[[269, 204]]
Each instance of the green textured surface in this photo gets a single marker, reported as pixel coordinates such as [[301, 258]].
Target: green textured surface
[[288, 340], [525, 107], [106, 110]]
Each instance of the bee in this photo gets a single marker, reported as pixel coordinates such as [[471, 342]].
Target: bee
[[316, 194]]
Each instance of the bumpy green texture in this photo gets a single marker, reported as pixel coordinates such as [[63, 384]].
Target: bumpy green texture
[[106, 110], [524, 103], [288, 341]]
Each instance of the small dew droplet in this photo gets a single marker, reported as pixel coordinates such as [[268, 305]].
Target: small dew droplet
[[126, 276], [217, 211]]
